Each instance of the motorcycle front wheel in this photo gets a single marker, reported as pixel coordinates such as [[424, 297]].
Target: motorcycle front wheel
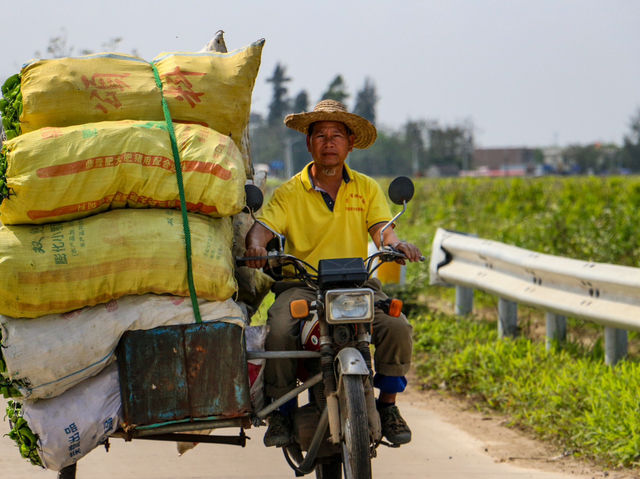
[[356, 456]]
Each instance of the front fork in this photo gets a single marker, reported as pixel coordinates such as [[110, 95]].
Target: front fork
[[364, 340], [348, 361]]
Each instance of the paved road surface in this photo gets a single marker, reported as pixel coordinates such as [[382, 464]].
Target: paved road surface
[[438, 450]]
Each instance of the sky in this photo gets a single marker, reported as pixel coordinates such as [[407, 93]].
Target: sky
[[525, 73]]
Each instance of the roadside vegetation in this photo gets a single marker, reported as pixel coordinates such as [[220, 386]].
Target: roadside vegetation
[[566, 395]]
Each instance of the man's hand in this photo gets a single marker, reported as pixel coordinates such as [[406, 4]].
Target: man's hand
[[255, 243], [256, 251], [411, 251]]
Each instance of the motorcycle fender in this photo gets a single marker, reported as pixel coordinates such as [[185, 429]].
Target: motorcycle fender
[[350, 362]]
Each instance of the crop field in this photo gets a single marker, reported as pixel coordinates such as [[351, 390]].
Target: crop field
[[565, 395], [588, 218]]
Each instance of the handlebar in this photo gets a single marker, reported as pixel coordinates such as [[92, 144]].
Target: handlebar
[[241, 260], [305, 271]]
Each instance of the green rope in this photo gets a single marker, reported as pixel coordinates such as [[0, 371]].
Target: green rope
[[183, 203]]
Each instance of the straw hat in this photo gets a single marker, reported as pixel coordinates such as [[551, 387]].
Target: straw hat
[[332, 110]]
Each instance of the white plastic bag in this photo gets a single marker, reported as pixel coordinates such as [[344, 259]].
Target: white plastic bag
[[55, 352], [74, 423], [255, 338]]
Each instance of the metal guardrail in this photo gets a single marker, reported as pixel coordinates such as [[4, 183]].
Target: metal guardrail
[[603, 293]]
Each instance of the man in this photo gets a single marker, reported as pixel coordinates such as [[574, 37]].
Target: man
[[328, 211]]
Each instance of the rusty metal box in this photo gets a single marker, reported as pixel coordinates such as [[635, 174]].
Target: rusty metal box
[[183, 372]]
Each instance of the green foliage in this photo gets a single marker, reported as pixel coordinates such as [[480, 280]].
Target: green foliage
[[561, 395], [451, 145], [631, 149], [301, 102], [279, 105], [337, 90], [21, 433], [588, 218], [11, 106], [4, 189], [366, 100], [594, 158], [387, 156], [8, 388]]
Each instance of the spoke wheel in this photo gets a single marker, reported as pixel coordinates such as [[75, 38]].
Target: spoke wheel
[[355, 429]]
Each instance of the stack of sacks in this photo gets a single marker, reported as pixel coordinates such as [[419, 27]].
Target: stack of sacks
[[206, 88], [92, 231]]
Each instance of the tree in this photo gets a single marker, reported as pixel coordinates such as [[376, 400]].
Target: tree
[[301, 102], [630, 155], [388, 156], [279, 103], [366, 100], [337, 90], [451, 147], [59, 47], [413, 135], [583, 159]]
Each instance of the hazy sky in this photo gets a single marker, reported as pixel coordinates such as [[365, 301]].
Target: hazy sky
[[527, 73]]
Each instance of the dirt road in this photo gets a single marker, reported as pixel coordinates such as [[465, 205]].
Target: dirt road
[[448, 442]]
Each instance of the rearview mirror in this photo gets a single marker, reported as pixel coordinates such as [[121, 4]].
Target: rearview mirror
[[254, 197], [401, 190]]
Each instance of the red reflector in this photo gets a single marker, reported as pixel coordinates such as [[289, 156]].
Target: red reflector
[[395, 308]]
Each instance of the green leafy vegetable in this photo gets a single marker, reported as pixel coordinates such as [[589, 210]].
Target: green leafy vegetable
[[22, 434]]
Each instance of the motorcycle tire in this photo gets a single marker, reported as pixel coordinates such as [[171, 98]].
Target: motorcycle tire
[[355, 429]]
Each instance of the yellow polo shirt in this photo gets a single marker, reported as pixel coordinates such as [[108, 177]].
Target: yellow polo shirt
[[313, 231]]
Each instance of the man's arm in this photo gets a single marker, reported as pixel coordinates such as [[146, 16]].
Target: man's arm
[[256, 242], [390, 238]]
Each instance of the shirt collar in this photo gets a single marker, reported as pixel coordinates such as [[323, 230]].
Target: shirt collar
[[307, 180]]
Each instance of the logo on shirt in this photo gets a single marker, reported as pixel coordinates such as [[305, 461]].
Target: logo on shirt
[[355, 202]]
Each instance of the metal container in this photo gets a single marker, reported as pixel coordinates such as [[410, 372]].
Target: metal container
[[183, 373]]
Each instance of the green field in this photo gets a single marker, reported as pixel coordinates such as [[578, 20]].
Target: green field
[[588, 218], [566, 395]]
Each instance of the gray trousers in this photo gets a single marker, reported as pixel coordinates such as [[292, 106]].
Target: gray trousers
[[392, 338]]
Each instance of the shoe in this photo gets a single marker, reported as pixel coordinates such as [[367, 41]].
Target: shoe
[[279, 431], [394, 428]]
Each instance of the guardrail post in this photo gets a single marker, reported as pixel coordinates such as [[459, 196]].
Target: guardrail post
[[556, 329], [507, 318], [616, 343], [464, 300]]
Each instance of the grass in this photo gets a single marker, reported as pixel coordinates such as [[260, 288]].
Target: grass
[[565, 396]]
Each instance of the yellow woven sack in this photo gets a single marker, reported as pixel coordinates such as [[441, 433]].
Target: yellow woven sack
[[211, 89], [88, 89], [60, 174], [60, 267]]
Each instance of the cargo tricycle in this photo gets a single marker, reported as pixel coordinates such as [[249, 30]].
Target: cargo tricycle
[[177, 381]]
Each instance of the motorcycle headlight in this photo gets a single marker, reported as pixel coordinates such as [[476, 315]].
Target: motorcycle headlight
[[349, 305]]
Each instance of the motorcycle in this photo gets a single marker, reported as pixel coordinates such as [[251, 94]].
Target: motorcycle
[[338, 430]]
